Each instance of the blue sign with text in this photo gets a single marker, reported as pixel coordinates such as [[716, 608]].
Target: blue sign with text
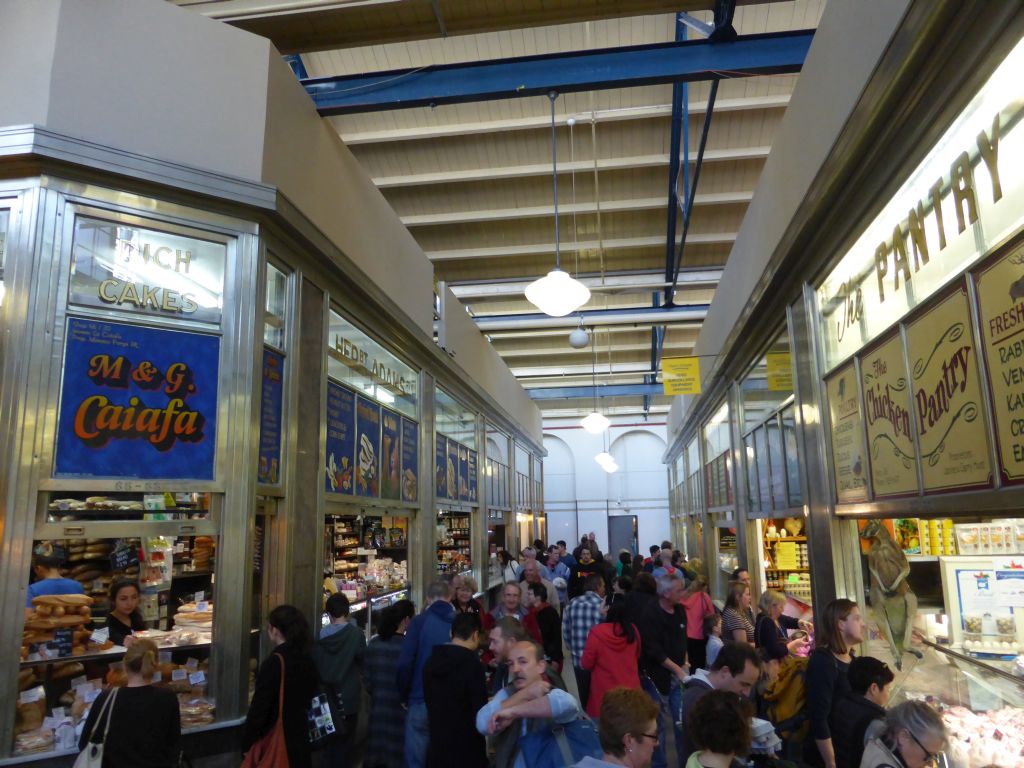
[[137, 402]]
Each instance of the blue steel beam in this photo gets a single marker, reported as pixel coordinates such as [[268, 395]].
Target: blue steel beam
[[605, 390], [751, 55], [294, 61], [598, 317]]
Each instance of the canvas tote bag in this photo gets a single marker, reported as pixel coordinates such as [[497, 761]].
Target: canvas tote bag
[[92, 755]]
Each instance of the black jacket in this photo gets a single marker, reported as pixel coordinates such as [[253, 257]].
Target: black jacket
[[636, 602], [578, 575], [826, 685], [662, 636], [145, 728], [300, 686], [454, 690], [851, 716]]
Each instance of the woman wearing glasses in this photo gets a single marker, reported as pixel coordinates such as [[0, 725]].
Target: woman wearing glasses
[[628, 730], [914, 737]]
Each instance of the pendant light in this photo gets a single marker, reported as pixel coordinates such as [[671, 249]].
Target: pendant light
[[595, 422], [556, 294]]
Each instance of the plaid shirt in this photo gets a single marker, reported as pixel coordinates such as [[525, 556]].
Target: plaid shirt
[[580, 617]]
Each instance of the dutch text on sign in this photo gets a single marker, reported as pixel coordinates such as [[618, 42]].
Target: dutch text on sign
[[681, 375]]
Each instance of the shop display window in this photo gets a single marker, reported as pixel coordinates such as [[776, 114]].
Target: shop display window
[[88, 598], [275, 307], [67, 506], [454, 420], [366, 559], [5, 220], [454, 541], [718, 466], [785, 558]]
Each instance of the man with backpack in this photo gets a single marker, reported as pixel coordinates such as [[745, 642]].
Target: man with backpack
[[532, 724]]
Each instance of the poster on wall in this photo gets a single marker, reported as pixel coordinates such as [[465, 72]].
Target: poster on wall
[[390, 454], [368, 460], [463, 473], [1001, 312], [453, 469], [472, 473], [137, 402], [271, 398], [849, 464], [341, 430], [410, 459], [441, 470], [946, 393], [889, 419]]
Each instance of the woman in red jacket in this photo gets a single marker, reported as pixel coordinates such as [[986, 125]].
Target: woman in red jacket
[[611, 654]]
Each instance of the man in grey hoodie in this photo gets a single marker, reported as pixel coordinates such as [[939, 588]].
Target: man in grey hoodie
[[338, 655], [736, 670]]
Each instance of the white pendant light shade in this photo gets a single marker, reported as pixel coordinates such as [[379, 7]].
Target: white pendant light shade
[[604, 458], [610, 467], [595, 423], [557, 294]]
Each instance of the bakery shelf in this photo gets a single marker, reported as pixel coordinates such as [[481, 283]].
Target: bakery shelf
[[112, 654]]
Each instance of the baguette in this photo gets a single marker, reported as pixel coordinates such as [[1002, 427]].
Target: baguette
[[65, 600]]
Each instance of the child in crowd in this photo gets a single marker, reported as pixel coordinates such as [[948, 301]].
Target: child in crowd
[[713, 633], [860, 715]]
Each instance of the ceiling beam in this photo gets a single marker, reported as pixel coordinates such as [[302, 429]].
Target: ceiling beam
[[536, 249], [587, 369], [563, 72], [693, 314], [697, 278], [538, 211], [604, 390], [543, 122], [319, 25], [544, 169]]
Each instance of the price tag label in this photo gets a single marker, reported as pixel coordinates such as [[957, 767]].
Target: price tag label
[[202, 607], [192, 664], [165, 657], [31, 695], [157, 678], [79, 681], [179, 675], [49, 723], [83, 690], [197, 678], [200, 596], [100, 636], [58, 713]]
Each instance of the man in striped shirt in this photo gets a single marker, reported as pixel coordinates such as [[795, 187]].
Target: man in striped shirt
[[581, 615]]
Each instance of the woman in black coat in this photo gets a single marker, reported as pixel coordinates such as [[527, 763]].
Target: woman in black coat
[[289, 632]]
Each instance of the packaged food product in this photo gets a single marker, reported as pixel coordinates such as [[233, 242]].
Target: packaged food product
[[967, 538], [34, 741]]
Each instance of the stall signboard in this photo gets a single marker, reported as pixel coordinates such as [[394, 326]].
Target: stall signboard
[[390, 455], [947, 396], [341, 429], [889, 419], [137, 402], [463, 473], [410, 460], [680, 375], [453, 469], [1000, 290], [472, 473], [271, 402], [142, 270], [849, 461], [780, 372], [368, 462], [965, 197], [442, 468]]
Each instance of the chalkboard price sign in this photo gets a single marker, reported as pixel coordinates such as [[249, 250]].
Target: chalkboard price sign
[[123, 557], [62, 639]]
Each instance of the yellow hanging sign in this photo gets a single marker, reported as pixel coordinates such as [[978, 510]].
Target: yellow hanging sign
[[681, 375], [780, 372]]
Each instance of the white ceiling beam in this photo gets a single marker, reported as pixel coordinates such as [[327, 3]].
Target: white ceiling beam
[[584, 368], [688, 279], [544, 169], [565, 349], [539, 249], [537, 332], [618, 410], [539, 122], [579, 379], [531, 212]]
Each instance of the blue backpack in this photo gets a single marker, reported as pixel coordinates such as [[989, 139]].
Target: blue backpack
[[558, 745]]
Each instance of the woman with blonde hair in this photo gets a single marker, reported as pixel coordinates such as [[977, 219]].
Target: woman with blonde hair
[[839, 629], [698, 606], [138, 724], [771, 625]]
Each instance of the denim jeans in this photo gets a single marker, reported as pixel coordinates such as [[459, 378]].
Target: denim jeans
[[417, 736], [670, 705]]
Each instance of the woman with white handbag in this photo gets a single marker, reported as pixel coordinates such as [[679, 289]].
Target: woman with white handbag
[[138, 724]]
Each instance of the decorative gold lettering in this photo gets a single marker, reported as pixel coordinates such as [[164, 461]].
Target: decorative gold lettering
[[935, 194], [182, 260], [989, 149], [881, 267], [104, 291], [918, 239], [899, 258]]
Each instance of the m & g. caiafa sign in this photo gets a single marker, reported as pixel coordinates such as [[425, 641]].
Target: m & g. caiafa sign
[[1000, 287], [889, 420], [963, 199], [848, 463], [946, 393], [146, 271]]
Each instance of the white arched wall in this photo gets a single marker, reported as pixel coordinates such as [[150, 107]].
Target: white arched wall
[[640, 487]]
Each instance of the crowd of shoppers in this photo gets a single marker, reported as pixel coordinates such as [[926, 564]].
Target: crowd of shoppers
[[655, 665]]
